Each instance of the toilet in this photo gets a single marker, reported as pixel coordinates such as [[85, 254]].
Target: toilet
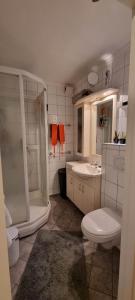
[[103, 226]]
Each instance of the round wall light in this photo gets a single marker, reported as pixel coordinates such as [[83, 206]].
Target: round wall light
[[93, 78]]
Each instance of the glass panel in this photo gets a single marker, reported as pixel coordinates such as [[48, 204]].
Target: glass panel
[[43, 151], [36, 142], [33, 169], [79, 129], [11, 145]]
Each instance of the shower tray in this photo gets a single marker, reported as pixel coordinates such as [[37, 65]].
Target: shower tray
[[38, 217]]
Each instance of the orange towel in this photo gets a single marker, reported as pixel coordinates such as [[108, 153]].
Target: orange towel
[[61, 135], [54, 135]]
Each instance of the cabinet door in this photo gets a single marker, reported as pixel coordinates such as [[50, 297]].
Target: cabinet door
[[70, 187], [87, 201], [83, 196], [77, 192]]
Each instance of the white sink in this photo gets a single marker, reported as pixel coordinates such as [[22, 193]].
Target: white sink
[[87, 170]]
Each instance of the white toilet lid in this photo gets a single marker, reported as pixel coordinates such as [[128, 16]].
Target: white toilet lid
[[102, 222]]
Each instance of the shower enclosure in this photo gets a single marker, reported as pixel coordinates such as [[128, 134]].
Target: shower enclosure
[[23, 145]]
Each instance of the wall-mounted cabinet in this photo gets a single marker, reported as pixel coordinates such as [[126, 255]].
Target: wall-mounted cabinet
[[84, 193], [95, 122]]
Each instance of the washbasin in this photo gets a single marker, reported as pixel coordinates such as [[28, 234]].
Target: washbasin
[[87, 170]]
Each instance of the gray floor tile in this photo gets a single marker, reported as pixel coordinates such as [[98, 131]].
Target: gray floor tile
[[25, 250], [88, 252], [99, 262], [115, 284], [16, 272], [63, 222], [103, 260], [94, 295], [14, 291], [101, 280], [31, 238], [52, 217], [116, 260], [47, 226], [75, 227]]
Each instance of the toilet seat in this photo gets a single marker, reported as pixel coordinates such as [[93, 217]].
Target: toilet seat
[[102, 225]]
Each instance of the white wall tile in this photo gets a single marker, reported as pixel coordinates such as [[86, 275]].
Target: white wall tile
[[51, 89], [69, 110], [52, 109], [69, 101], [69, 120], [102, 199], [53, 182], [112, 155], [111, 190], [103, 185], [126, 74], [113, 179], [111, 174], [61, 100], [109, 202], [62, 106], [61, 119], [60, 90], [121, 178], [61, 110], [52, 99], [120, 197]]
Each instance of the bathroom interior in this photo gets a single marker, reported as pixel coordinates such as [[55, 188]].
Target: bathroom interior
[[63, 139]]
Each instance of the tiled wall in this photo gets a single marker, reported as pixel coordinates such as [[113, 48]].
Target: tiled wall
[[113, 161], [113, 155], [118, 64], [60, 106]]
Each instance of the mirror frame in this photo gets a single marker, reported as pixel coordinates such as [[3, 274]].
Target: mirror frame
[[94, 120]]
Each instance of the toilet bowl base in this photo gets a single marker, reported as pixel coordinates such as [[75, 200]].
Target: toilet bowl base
[[111, 244]]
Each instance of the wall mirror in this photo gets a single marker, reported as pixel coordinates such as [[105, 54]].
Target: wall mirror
[[79, 130], [83, 130], [105, 122], [95, 121]]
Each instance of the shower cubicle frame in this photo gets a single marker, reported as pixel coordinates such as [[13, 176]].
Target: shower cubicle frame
[[20, 73]]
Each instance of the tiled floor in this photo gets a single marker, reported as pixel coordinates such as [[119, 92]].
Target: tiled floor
[[103, 264]]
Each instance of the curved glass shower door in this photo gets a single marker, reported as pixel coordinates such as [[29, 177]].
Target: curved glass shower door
[[11, 146]]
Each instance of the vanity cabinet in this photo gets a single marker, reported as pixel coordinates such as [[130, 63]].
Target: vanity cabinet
[[84, 193], [70, 186]]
